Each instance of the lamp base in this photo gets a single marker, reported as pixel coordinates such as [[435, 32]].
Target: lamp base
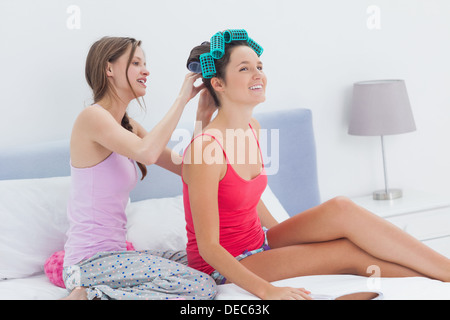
[[389, 195]]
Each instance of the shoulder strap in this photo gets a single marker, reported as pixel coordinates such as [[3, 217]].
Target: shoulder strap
[[207, 134], [257, 142]]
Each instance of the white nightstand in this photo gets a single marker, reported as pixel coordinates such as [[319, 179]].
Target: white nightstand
[[423, 215]]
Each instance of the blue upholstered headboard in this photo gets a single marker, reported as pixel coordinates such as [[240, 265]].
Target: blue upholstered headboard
[[295, 182]]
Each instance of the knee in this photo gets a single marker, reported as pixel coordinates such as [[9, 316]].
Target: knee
[[342, 209], [341, 204]]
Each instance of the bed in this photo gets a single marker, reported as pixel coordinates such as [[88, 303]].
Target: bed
[[34, 186]]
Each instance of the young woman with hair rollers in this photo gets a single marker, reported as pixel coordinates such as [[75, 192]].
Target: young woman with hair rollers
[[232, 235]]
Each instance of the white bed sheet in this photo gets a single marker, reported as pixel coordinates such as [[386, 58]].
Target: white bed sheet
[[36, 287], [412, 288], [39, 288]]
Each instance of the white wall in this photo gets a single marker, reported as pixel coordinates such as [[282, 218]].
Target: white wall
[[314, 52]]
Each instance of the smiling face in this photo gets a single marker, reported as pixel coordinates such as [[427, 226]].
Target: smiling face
[[138, 73], [129, 77], [244, 82]]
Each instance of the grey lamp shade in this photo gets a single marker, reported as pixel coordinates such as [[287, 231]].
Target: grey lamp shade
[[380, 107]]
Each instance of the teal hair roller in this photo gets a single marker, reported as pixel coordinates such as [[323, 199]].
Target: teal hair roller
[[256, 47], [235, 35], [217, 46], [217, 50], [207, 65]]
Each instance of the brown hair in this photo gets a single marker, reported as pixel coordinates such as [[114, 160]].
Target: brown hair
[[220, 64], [109, 49]]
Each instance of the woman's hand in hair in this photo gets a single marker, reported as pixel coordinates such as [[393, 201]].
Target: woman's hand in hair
[[188, 89]]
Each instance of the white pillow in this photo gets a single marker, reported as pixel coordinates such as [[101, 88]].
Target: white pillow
[[157, 224], [274, 206], [160, 224], [33, 223]]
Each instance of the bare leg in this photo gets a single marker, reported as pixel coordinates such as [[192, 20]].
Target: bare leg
[[332, 257], [340, 218]]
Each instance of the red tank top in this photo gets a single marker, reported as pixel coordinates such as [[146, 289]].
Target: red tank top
[[240, 227]]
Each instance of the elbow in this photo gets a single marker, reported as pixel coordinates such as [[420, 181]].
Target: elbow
[[148, 161], [147, 157], [204, 253], [207, 251]]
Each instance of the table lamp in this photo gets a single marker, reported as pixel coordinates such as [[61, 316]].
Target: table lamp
[[379, 108]]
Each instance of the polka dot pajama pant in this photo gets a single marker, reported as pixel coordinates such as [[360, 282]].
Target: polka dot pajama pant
[[148, 274]]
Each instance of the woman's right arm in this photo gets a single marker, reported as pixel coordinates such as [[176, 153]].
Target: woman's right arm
[[103, 129]]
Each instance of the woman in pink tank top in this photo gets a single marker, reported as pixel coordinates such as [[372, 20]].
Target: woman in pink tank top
[[104, 146], [225, 216]]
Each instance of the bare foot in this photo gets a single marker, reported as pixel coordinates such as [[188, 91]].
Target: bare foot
[[79, 293]]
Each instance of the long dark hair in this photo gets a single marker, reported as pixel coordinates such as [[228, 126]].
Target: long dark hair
[[109, 49]]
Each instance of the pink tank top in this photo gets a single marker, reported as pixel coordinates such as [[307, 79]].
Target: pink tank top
[[96, 208], [240, 227]]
